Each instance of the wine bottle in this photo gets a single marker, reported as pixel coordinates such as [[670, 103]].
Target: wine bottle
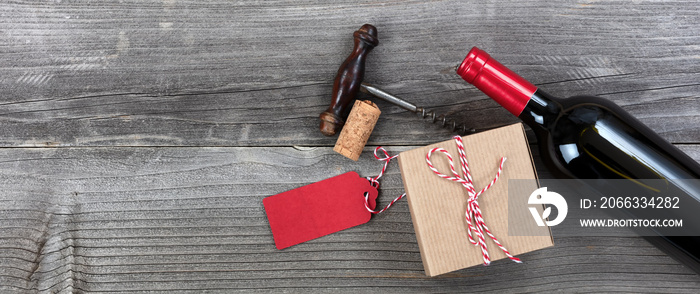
[[588, 137]]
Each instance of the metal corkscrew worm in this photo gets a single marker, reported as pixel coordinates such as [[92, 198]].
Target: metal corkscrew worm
[[424, 113]]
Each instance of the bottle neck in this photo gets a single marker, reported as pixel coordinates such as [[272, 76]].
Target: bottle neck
[[541, 111], [497, 81]]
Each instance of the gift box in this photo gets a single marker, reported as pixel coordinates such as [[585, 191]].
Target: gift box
[[438, 205]]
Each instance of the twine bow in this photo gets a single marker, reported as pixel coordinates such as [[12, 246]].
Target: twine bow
[[473, 211]]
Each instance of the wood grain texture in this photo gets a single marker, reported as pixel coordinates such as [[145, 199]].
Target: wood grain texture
[[220, 73], [191, 219], [174, 118]]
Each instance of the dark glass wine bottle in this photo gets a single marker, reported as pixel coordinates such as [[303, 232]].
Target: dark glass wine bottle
[[587, 137]]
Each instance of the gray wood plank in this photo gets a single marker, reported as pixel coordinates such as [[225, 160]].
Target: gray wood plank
[[221, 73], [191, 219], [179, 73]]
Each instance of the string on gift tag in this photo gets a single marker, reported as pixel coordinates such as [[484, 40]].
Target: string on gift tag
[[375, 181], [473, 210]]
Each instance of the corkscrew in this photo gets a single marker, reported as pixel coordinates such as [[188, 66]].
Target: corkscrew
[[424, 113], [348, 82]]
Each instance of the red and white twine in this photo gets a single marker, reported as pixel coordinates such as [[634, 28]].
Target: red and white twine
[[375, 181], [473, 210]]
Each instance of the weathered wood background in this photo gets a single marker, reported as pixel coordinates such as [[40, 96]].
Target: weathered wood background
[[139, 138]]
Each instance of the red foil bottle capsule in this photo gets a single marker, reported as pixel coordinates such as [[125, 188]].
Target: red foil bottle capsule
[[497, 81]]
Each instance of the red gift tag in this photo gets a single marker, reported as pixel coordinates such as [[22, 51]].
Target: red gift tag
[[319, 209]]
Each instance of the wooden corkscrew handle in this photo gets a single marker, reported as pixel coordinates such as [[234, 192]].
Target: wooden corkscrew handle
[[348, 80]]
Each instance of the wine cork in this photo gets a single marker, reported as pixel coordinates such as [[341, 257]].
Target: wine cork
[[358, 127]]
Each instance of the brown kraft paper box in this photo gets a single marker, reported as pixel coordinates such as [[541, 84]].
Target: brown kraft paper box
[[438, 205]]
